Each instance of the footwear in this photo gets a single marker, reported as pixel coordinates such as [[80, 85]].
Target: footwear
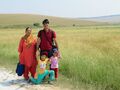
[[28, 81], [49, 82], [55, 79]]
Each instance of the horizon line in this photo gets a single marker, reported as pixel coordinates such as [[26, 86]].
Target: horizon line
[[62, 16]]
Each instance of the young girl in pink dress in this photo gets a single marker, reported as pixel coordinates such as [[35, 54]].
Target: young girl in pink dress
[[54, 60]]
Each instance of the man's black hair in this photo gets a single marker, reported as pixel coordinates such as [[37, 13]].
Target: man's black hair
[[45, 21]]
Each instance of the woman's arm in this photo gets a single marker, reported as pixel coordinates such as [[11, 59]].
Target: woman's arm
[[20, 47]]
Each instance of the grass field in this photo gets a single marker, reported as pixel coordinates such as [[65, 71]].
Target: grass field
[[90, 57]]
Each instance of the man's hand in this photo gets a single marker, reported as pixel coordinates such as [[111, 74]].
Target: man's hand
[[37, 47]]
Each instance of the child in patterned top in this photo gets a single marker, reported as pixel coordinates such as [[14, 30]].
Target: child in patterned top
[[42, 72]]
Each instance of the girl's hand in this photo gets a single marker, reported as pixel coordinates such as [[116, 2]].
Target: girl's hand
[[37, 53], [59, 55]]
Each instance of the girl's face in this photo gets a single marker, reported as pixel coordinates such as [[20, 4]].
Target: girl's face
[[28, 31], [43, 57], [55, 54]]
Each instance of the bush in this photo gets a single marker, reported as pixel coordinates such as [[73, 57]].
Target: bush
[[36, 24]]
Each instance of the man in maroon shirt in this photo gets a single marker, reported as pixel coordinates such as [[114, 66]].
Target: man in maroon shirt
[[46, 39]]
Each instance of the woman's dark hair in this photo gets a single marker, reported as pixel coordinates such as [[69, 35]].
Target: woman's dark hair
[[45, 21], [27, 28]]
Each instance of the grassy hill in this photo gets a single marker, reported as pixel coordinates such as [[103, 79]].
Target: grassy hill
[[25, 19], [111, 19]]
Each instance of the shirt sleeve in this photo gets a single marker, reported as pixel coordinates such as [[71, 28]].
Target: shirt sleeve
[[54, 34]]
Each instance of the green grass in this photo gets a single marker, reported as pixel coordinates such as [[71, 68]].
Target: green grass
[[90, 57]]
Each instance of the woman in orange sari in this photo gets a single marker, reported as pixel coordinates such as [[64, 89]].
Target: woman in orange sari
[[27, 53]]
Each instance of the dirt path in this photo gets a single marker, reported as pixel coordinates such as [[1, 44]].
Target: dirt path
[[10, 81]]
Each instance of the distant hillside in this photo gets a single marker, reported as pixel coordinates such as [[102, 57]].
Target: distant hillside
[[112, 19], [16, 19]]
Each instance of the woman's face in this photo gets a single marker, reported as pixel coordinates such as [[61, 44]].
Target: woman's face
[[28, 31]]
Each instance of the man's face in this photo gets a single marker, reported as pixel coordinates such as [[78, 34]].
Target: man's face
[[46, 26]]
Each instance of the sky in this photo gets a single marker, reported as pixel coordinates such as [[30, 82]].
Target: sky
[[62, 8]]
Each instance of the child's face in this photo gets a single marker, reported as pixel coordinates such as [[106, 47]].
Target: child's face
[[43, 57], [55, 54]]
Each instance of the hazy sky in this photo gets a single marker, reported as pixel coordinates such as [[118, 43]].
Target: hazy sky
[[62, 8]]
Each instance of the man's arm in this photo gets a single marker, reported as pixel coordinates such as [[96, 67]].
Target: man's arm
[[38, 43], [54, 39], [57, 47]]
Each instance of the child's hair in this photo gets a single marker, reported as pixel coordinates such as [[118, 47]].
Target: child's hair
[[55, 50], [44, 53]]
